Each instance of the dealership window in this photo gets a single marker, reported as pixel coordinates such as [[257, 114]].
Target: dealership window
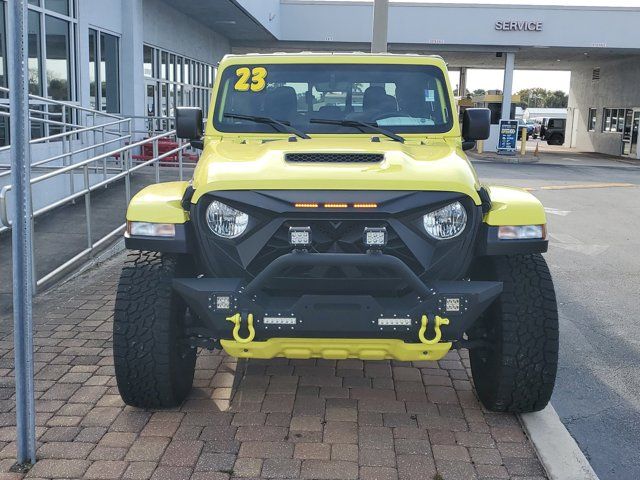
[[57, 46], [104, 71], [592, 119], [614, 119], [35, 56], [4, 124], [149, 61], [177, 81], [51, 57]]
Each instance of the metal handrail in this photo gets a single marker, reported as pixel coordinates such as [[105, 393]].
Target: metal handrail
[[125, 172], [61, 156], [47, 121], [66, 104], [56, 136]]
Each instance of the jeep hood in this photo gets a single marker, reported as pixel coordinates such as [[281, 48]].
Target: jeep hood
[[418, 165]]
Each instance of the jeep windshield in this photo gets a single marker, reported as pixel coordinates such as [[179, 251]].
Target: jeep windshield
[[398, 98]]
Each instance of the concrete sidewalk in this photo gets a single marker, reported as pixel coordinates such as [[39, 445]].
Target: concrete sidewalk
[[249, 419]]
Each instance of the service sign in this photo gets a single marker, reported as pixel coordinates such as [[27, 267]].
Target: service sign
[[508, 136]]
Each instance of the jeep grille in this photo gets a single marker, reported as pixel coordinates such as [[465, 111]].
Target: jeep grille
[[334, 157]]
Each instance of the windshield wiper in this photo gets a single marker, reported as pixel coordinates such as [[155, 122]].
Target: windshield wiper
[[276, 124], [362, 126]]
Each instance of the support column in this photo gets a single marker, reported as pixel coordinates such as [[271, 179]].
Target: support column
[[507, 86], [462, 83], [134, 91], [380, 26], [21, 235]]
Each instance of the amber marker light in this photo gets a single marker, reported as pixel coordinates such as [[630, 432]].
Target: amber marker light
[[365, 205], [335, 205], [306, 205]]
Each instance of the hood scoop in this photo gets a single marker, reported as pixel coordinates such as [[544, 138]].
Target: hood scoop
[[334, 157]]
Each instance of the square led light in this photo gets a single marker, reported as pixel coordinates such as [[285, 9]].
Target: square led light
[[375, 237], [223, 302], [394, 322], [452, 305], [300, 236]]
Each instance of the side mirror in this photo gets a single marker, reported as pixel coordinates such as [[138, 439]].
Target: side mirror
[[189, 123], [476, 124]]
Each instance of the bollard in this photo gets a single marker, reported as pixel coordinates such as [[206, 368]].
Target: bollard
[[523, 141], [480, 146]]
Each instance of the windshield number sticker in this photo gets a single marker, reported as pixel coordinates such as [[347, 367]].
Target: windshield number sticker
[[257, 75]]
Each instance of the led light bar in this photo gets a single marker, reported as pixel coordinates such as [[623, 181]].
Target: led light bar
[[335, 205], [374, 237], [365, 205], [279, 320], [394, 322], [300, 236]]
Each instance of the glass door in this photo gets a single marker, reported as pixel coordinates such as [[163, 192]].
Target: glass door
[[626, 132], [633, 148]]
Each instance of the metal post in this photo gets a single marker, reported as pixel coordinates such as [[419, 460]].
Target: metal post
[[155, 156], [21, 235], [180, 159], [127, 178], [87, 208], [507, 88], [380, 26], [462, 83]]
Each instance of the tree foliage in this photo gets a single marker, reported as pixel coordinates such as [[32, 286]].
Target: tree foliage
[[543, 98]]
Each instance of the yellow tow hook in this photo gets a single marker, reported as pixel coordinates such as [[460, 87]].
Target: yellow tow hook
[[423, 328], [237, 320]]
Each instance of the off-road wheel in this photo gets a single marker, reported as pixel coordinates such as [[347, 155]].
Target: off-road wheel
[[154, 367], [556, 139], [516, 372]]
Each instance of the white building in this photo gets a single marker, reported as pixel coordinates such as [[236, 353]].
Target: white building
[[531, 114], [149, 55]]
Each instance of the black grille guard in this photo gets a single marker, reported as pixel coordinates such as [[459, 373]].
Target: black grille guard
[[304, 259], [337, 315]]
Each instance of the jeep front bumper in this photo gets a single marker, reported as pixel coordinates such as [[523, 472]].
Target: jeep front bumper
[[418, 321]]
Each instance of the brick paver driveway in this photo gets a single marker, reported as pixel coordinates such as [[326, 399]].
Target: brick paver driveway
[[264, 419]]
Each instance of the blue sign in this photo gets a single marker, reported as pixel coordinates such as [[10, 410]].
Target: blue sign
[[508, 136]]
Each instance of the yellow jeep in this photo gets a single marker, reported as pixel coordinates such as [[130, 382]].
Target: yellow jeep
[[333, 214]]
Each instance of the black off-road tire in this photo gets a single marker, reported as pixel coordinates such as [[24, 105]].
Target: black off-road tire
[[556, 139], [154, 368], [518, 373]]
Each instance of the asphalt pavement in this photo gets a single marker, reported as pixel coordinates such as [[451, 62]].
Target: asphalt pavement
[[593, 213]]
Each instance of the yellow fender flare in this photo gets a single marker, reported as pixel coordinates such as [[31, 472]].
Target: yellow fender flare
[[237, 321], [423, 329]]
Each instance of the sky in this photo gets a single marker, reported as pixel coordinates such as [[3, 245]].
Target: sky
[[492, 79]]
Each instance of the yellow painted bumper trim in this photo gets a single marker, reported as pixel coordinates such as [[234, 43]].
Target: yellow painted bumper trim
[[337, 349]]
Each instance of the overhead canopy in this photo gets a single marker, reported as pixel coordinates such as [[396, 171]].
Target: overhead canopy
[[227, 17], [465, 34]]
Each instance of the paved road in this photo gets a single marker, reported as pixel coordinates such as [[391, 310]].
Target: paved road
[[595, 261], [305, 419]]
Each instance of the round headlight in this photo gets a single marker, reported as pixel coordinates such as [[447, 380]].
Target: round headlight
[[226, 221], [446, 222]]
